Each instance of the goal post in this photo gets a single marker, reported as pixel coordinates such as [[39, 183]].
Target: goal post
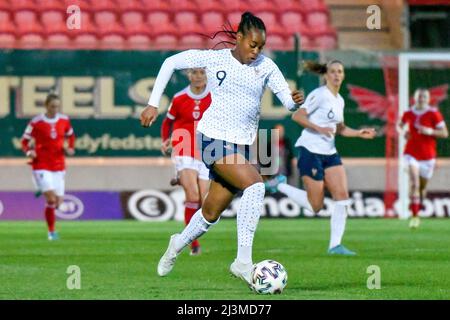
[[405, 61]]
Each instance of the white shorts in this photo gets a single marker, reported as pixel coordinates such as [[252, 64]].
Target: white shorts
[[426, 167], [45, 180], [185, 162]]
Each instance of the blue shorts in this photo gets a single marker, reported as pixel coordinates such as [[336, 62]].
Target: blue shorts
[[313, 164], [213, 150]]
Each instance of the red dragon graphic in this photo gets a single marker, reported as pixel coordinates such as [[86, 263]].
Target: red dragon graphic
[[377, 105]]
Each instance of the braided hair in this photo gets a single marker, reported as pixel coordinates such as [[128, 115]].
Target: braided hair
[[248, 22]]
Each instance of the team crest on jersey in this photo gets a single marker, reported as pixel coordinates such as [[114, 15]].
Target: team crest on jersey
[[196, 112], [53, 133]]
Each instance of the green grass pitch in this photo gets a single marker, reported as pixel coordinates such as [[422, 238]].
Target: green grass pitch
[[118, 260]]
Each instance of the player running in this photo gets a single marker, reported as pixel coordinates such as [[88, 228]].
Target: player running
[[237, 79], [49, 132], [422, 124], [180, 123], [320, 166]]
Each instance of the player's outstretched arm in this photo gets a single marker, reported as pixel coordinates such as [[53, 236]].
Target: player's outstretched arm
[[301, 117], [172, 63], [366, 133], [148, 115], [277, 83], [441, 132], [298, 96]]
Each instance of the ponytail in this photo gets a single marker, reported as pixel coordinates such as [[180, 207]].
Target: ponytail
[[319, 68], [315, 67]]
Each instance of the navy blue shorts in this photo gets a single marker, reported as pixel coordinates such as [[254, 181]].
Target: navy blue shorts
[[213, 150], [313, 164]]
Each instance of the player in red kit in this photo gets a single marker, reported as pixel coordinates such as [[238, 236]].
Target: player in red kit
[[178, 132], [422, 124], [49, 132]]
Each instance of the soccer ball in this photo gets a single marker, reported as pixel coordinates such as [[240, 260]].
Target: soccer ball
[[269, 277]]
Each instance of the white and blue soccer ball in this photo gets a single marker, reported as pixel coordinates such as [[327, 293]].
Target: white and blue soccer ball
[[269, 277]]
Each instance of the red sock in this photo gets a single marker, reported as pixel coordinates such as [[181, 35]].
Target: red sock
[[50, 217], [415, 206], [190, 208]]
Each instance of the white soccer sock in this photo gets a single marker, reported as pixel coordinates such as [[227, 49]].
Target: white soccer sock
[[337, 222], [298, 195], [194, 230], [249, 211]]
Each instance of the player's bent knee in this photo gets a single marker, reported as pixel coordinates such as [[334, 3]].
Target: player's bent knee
[[52, 201], [210, 215], [255, 181]]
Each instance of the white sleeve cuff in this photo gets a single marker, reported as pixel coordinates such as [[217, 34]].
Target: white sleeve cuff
[[286, 99], [440, 125]]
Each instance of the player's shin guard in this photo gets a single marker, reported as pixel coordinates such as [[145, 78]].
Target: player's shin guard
[[190, 207], [194, 230], [50, 216], [249, 211], [337, 222], [298, 195]]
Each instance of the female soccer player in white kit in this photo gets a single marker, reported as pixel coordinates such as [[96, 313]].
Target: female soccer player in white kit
[[237, 78], [320, 166]]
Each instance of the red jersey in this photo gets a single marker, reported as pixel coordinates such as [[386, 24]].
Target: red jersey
[[49, 135], [186, 110], [420, 146]]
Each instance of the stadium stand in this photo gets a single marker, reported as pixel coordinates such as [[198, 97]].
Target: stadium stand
[[158, 24], [352, 26]]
